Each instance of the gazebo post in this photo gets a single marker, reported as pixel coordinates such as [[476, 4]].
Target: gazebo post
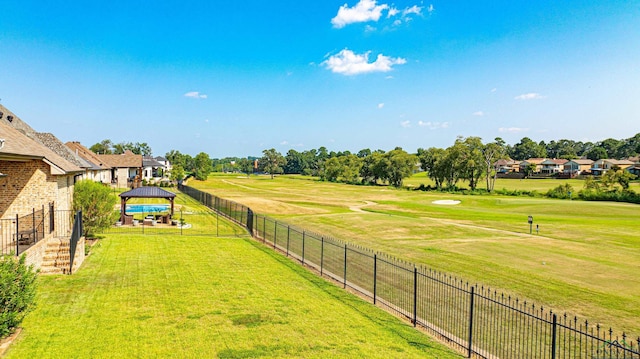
[[123, 206]]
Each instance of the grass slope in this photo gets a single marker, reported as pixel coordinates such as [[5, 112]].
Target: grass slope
[[584, 260], [189, 297]]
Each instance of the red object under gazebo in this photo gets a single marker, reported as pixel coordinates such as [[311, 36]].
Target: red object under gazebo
[[142, 192]]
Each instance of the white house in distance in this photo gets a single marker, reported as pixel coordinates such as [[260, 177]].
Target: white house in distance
[[152, 169], [165, 162], [553, 166]]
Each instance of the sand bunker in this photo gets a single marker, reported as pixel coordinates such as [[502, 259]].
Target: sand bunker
[[446, 201]]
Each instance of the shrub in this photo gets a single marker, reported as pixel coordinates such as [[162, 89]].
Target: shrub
[[563, 191], [17, 292], [97, 203]]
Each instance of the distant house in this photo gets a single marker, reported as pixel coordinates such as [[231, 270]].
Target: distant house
[[165, 162], [507, 165], [126, 169], [553, 166], [537, 162], [152, 170], [577, 167], [98, 171], [600, 167]]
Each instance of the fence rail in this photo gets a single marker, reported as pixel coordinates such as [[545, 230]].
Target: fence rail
[[476, 320], [21, 233]]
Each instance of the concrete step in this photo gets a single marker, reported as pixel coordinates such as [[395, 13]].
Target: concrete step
[[57, 257]]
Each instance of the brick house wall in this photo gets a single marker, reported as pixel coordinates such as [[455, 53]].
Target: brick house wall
[[30, 185]]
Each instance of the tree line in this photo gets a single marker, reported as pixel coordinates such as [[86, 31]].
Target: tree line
[[467, 160], [569, 149]]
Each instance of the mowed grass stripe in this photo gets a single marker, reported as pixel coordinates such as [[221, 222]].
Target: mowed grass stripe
[[583, 261], [170, 296]]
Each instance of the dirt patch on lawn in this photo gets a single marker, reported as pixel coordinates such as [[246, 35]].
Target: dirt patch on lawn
[[6, 342]]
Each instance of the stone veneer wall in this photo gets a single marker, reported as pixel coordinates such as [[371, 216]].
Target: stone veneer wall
[[35, 254]]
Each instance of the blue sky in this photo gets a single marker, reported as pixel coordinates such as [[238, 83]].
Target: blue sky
[[232, 78]]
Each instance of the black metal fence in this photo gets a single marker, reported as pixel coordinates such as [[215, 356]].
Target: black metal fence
[[76, 234], [21, 233], [476, 320]]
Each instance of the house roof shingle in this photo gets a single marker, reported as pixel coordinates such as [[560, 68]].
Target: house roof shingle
[[19, 146], [87, 154], [126, 160]]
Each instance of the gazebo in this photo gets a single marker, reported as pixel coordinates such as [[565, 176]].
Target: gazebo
[[142, 192]]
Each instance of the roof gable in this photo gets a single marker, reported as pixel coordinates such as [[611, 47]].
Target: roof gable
[[19, 146], [87, 154]]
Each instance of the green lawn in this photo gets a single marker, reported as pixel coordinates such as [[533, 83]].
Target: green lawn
[[204, 297], [584, 261]]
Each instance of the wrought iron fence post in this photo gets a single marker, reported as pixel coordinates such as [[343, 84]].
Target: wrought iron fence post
[[33, 229], [471, 306], [303, 235], [52, 221], [415, 296], [17, 231], [264, 229], [345, 266], [43, 229], [275, 233], [321, 255], [553, 336], [288, 236], [375, 276], [249, 218]]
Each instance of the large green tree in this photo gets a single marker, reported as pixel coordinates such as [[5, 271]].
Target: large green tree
[[432, 162], [526, 149], [491, 153], [245, 166], [400, 165], [103, 147], [272, 162], [203, 166]]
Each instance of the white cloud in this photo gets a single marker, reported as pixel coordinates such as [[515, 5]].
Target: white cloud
[[478, 113], [195, 94], [415, 9], [284, 143], [430, 8], [348, 63], [369, 28], [494, 90], [405, 124], [363, 11], [392, 12], [433, 125], [381, 105], [529, 96], [512, 129]]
